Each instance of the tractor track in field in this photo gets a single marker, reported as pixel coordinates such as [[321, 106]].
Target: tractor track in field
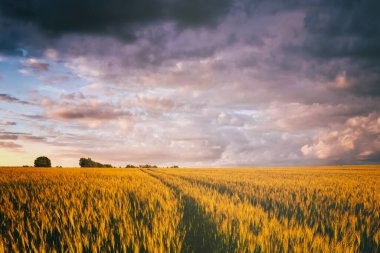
[[218, 188], [201, 231], [267, 206]]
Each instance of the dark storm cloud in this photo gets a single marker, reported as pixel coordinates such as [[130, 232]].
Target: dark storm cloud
[[20, 38], [115, 16], [347, 31], [344, 29]]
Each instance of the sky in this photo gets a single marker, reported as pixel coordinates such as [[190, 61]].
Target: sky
[[217, 83]]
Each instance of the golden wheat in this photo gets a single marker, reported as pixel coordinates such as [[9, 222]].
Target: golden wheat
[[334, 209], [79, 210]]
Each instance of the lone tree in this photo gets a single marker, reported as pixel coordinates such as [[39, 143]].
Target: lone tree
[[42, 161]]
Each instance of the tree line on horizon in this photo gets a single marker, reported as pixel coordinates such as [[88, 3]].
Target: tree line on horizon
[[44, 161]]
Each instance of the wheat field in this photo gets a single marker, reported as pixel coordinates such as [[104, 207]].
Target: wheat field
[[310, 209]]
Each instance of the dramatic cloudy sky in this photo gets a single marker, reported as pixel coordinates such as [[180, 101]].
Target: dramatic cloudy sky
[[190, 82]]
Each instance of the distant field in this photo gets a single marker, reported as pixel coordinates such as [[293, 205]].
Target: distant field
[[310, 209]]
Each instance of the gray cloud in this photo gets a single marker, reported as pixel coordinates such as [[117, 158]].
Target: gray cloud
[[29, 137], [10, 99], [7, 123], [76, 108], [4, 135], [78, 112], [8, 137]]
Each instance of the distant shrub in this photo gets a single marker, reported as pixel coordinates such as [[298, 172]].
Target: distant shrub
[[130, 166], [147, 166], [42, 161], [87, 162]]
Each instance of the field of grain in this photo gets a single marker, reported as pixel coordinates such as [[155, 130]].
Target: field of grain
[[326, 209]]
